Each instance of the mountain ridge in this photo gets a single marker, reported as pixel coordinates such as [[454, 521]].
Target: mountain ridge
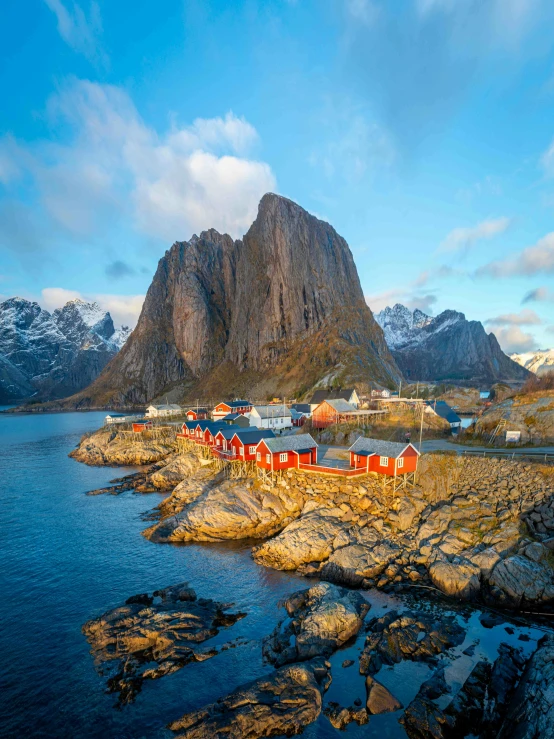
[[51, 355], [446, 348]]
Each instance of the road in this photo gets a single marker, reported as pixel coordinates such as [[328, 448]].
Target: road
[[433, 445]]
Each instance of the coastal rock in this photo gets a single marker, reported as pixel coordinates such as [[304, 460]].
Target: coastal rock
[[282, 703], [109, 447], [320, 620], [380, 699], [423, 719], [232, 510], [354, 562], [312, 538], [414, 636], [459, 578], [340, 717], [164, 628], [179, 467], [530, 714], [518, 580]]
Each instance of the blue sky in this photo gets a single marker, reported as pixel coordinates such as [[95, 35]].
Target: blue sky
[[423, 130]]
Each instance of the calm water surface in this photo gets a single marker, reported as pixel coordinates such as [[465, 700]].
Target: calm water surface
[[66, 557]]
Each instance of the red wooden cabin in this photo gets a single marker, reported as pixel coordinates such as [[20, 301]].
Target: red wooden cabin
[[245, 442], [284, 452], [231, 406], [330, 412], [198, 414], [142, 426], [384, 457]]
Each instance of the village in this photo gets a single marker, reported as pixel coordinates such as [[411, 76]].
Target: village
[[246, 439]]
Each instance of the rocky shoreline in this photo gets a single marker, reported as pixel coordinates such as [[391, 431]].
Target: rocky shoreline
[[475, 530]]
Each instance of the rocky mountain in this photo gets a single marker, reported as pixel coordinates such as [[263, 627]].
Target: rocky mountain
[[539, 362], [446, 348], [52, 355], [276, 312]]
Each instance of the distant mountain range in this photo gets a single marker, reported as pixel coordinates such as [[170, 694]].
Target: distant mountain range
[[46, 355], [446, 348], [539, 362], [276, 312]]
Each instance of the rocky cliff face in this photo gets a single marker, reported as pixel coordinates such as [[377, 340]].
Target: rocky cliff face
[[277, 311], [447, 348], [47, 356]]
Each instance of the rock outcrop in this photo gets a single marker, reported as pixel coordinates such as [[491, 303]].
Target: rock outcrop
[[231, 510], [282, 703], [532, 414], [418, 637], [52, 355], [164, 628], [238, 316], [320, 620], [110, 447], [446, 348]]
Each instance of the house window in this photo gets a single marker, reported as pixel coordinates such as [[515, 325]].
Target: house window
[[384, 461], [268, 458], [283, 457], [252, 450], [357, 458], [258, 456], [400, 462]]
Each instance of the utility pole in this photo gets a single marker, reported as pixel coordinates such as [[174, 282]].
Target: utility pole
[[421, 428], [400, 390]]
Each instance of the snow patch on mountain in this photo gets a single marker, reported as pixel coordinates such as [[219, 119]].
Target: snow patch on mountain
[[53, 354], [539, 362]]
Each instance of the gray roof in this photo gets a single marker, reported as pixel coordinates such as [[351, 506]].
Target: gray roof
[[320, 395], [166, 407], [301, 407], [272, 411], [341, 406], [290, 443], [378, 446]]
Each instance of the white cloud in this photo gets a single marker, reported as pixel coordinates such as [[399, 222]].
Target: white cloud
[[124, 309], [533, 260], [79, 29], [115, 167], [462, 239], [513, 339], [525, 317], [379, 301]]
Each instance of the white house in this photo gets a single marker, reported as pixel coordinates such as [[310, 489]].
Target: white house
[[161, 411], [114, 418], [276, 417]]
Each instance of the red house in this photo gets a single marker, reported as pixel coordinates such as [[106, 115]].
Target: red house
[[384, 457], [139, 426], [231, 406], [284, 452], [198, 414], [330, 412], [245, 442], [223, 436]]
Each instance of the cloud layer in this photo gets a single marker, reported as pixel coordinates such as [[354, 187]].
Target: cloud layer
[[462, 239], [534, 260], [115, 168]]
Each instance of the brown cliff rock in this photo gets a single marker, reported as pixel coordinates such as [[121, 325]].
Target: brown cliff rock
[[274, 312]]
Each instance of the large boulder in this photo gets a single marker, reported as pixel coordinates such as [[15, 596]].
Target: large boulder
[[380, 699], [320, 620], [311, 538], [517, 580], [281, 703], [355, 562], [232, 510], [459, 578]]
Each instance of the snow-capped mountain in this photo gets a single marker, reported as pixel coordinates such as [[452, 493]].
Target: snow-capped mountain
[[445, 348], [539, 362], [50, 355]]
